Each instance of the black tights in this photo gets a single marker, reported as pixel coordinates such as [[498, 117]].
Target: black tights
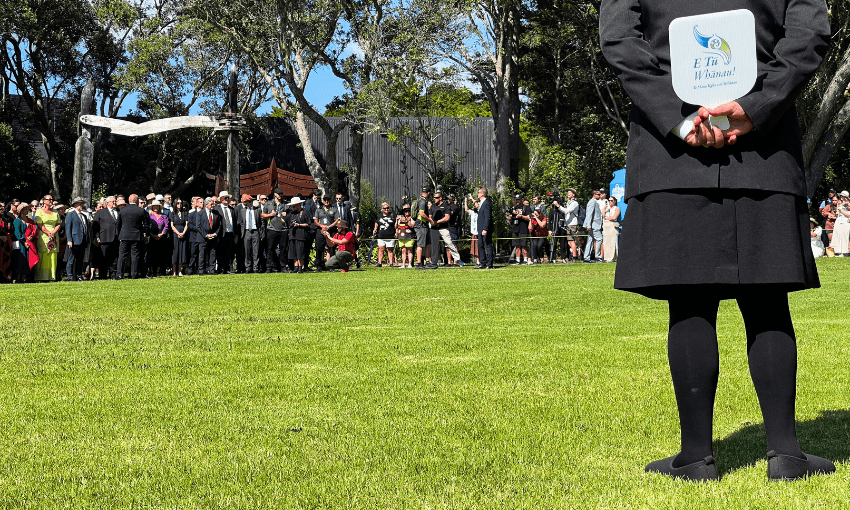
[[694, 366]]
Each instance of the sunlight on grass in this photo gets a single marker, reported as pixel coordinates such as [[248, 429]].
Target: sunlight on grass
[[525, 387]]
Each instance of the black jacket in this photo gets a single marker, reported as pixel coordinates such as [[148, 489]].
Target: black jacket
[[134, 223], [104, 227], [791, 39]]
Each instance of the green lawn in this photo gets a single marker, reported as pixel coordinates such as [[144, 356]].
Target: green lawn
[[525, 387]]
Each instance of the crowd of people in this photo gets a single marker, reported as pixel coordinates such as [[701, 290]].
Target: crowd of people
[[833, 238], [156, 235]]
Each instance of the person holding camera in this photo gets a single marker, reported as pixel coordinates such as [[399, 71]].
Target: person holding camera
[[520, 217], [343, 241], [538, 231], [438, 219]]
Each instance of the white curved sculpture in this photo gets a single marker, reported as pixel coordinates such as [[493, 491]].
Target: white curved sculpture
[[125, 128]]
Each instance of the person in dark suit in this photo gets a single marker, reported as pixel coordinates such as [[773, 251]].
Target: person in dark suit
[[485, 230], [227, 242], [698, 198], [196, 240], [209, 226], [134, 227], [105, 228], [251, 228], [77, 232]]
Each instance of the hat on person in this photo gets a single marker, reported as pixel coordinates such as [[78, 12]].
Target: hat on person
[[246, 196], [223, 194], [832, 190], [317, 193], [151, 196], [156, 203], [120, 202], [813, 221], [22, 207], [160, 198], [296, 201], [278, 191], [256, 203], [424, 189], [59, 206], [342, 223], [517, 197], [78, 200], [845, 194], [406, 206]]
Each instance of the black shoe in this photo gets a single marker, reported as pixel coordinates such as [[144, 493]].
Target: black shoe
[[421, 266], [699, 471], [786, 467], [377, 265], [480, 267]]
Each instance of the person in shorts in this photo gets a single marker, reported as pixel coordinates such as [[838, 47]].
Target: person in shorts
[[384, 232], [404, 233], [519, 218]]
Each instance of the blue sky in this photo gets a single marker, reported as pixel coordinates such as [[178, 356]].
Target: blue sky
[[322, 87]]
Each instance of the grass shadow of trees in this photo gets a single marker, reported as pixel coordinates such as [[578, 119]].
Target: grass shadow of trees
[[827, 436]]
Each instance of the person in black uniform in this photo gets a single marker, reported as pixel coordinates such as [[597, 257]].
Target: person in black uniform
[[134, 228], [180, 229], [420, 227], [299, 227], [519, 218], [723, 186]]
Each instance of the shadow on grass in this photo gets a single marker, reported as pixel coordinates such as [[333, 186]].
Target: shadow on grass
[[827, 436]]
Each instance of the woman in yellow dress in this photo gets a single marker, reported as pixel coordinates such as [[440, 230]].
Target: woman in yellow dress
[[48, 225]]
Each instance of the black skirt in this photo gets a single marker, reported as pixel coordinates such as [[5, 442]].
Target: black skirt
[[720, 241]]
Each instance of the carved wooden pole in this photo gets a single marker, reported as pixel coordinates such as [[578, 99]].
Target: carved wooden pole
[[84, 150], [232, 178]]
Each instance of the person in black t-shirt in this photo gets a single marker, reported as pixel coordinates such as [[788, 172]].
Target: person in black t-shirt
[[519, 217], [453, 210], [384, 232]]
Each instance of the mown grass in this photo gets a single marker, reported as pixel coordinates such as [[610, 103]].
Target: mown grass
[[535, 387]]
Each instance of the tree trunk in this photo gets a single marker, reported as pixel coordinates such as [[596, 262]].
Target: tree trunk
[[357, 159], [826, 146], [313, 165]]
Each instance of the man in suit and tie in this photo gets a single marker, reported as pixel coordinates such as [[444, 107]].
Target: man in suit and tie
[[251, 228], [229, 234], [134, 227], [105, 228], [77, 232], [485, 230], [593, 225], [209, 227], [196, 240]]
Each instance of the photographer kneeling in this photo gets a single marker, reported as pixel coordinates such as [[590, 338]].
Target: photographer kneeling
[[343, 240]]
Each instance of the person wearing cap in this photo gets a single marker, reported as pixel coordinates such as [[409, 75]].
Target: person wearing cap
[[105, 228], [134, 229], [323, 218], [519, 218], [454, 225], [421, 227], [593, 226], [343, 242], [438, 220], [77, 233], [251, 229], [277, 235], [229, 234], [406, 237], [840, 242], [299, 226]]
